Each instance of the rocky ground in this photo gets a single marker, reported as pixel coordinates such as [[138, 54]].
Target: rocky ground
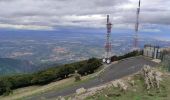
[[131, 87]]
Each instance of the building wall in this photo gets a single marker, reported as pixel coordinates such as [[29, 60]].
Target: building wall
[[148, 51], [152, 51]]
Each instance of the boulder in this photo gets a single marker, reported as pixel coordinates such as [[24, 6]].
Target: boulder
[[152, 77], [122, 86], [60, 98], [114, 83], [157, 78], [132, 83], [80, 91]]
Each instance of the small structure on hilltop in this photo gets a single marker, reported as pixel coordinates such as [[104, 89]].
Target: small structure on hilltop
[[152, 51], [156, 52]]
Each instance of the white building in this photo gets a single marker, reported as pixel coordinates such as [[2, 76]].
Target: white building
[[152, 51]]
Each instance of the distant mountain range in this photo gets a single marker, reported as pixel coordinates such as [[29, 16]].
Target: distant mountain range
[[13, 66], [9, 66]]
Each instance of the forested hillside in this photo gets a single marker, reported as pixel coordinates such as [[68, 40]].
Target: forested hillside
[[10, 66], [8, 83]]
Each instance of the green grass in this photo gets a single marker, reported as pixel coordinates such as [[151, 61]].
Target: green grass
[[50, 87], [27, 92], [138, 92], [63, 86]]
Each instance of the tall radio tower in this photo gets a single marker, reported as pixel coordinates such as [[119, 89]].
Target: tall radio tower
[[107, 58], [136, 28]]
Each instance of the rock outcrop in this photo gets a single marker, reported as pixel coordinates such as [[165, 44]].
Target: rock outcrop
[[80, 91], [151, 77]]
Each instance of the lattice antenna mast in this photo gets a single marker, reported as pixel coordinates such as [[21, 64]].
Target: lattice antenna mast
[[137, 27], [107, 58]]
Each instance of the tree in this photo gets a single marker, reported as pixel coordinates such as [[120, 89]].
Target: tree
[[5, 87]]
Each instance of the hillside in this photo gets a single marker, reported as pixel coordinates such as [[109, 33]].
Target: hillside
[[111, 72], [69, 88], [8, 84], [10, 66], [134, 89], [11, 82]]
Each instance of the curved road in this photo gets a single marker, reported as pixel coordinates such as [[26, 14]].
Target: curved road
[[114, 71]]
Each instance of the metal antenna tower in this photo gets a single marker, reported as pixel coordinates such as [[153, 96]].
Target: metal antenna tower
[[137, 28], [107, 58]]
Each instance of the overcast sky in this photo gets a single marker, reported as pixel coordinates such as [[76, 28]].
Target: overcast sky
[[52, 14]]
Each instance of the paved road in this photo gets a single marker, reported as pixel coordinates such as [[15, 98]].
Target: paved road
[[115, 71]]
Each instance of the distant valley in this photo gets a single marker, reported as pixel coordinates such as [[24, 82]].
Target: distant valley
[[29, 51]]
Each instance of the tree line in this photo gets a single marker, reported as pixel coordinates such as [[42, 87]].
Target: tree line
[[8, 83], [127, 55]]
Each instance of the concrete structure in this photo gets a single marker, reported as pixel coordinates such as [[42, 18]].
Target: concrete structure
[[152, 51], [156, 52]]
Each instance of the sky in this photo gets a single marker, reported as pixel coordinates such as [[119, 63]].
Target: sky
[[54, 14]]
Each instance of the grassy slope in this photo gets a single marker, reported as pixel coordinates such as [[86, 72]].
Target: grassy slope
[[138, 92], [22, 93]]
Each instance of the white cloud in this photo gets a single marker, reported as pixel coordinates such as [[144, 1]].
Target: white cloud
[[26, 27], [50, 14]]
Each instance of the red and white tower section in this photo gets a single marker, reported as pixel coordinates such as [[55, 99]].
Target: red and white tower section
[[107, 56]]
